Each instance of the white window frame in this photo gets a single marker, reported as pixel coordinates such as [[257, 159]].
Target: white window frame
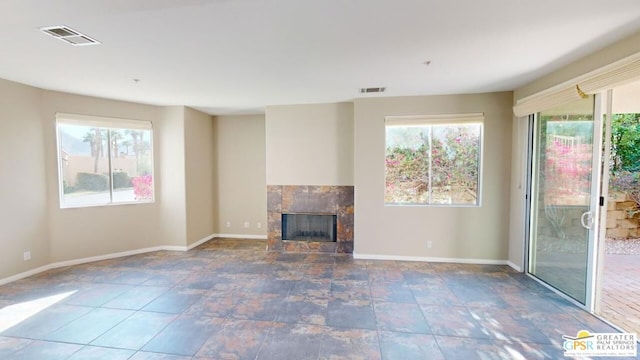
[[105, 123], [442, 119]]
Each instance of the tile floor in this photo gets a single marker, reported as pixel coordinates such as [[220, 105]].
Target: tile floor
[[229, 299]]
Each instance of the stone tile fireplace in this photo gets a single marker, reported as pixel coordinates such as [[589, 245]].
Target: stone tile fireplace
[[316, 202]]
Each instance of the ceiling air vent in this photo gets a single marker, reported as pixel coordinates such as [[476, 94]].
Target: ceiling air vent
[[372, 90], [69, 35]]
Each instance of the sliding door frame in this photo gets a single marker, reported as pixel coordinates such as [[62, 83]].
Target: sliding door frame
[[600, 162], [604, 196]]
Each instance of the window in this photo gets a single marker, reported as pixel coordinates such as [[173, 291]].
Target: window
[[104, 161], [433, 160]]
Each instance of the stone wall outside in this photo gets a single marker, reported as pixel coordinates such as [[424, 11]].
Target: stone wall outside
[[621, 225]]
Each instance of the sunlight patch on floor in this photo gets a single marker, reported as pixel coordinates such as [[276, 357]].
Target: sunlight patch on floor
[[14, 314], [514, 354]]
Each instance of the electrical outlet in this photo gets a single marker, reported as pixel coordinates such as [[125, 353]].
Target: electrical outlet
[[26, 256], [429, 244], [247, 224], [228, 224], [259, 225]]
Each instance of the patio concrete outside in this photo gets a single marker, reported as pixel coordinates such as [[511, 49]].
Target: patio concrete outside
[[621, 291]]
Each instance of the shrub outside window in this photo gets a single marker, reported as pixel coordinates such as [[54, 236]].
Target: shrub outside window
[[433, 160], [104, 161]]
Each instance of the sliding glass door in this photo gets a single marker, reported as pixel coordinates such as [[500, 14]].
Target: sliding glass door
[[564, 197]]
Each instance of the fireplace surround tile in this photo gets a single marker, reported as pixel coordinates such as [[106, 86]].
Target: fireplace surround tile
[[310, 199], [345, 247], [274, 231], [345, 199], [274, 198], [335, 200], [345, 227]]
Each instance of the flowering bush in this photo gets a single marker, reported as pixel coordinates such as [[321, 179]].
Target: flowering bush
[[456, 157], [407, 175], [143, 187]]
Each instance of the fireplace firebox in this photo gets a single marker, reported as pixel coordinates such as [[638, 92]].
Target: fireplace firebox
[[309, 227]]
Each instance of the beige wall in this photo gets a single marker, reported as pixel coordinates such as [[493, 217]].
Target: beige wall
[[169, 155], [310, 144], [241, 176], [479, 233], [199, 167], [84, 232], [23, 190]]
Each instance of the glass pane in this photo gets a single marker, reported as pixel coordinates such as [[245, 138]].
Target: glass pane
[[433, 164], [562, 194], [455, 162], [84, 165], [407, 164], [132, 165], [99, 166]]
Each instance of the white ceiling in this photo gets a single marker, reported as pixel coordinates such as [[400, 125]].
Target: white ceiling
[[237, 56]]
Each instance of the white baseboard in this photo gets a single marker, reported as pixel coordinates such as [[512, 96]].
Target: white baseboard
[[114, 255], [514, 266], [60, 264], [242, 236], [429, 259], [201, 241], [25, 274]]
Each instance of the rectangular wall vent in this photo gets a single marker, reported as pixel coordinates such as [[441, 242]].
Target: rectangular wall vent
[[372, 90], [69, 35]]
